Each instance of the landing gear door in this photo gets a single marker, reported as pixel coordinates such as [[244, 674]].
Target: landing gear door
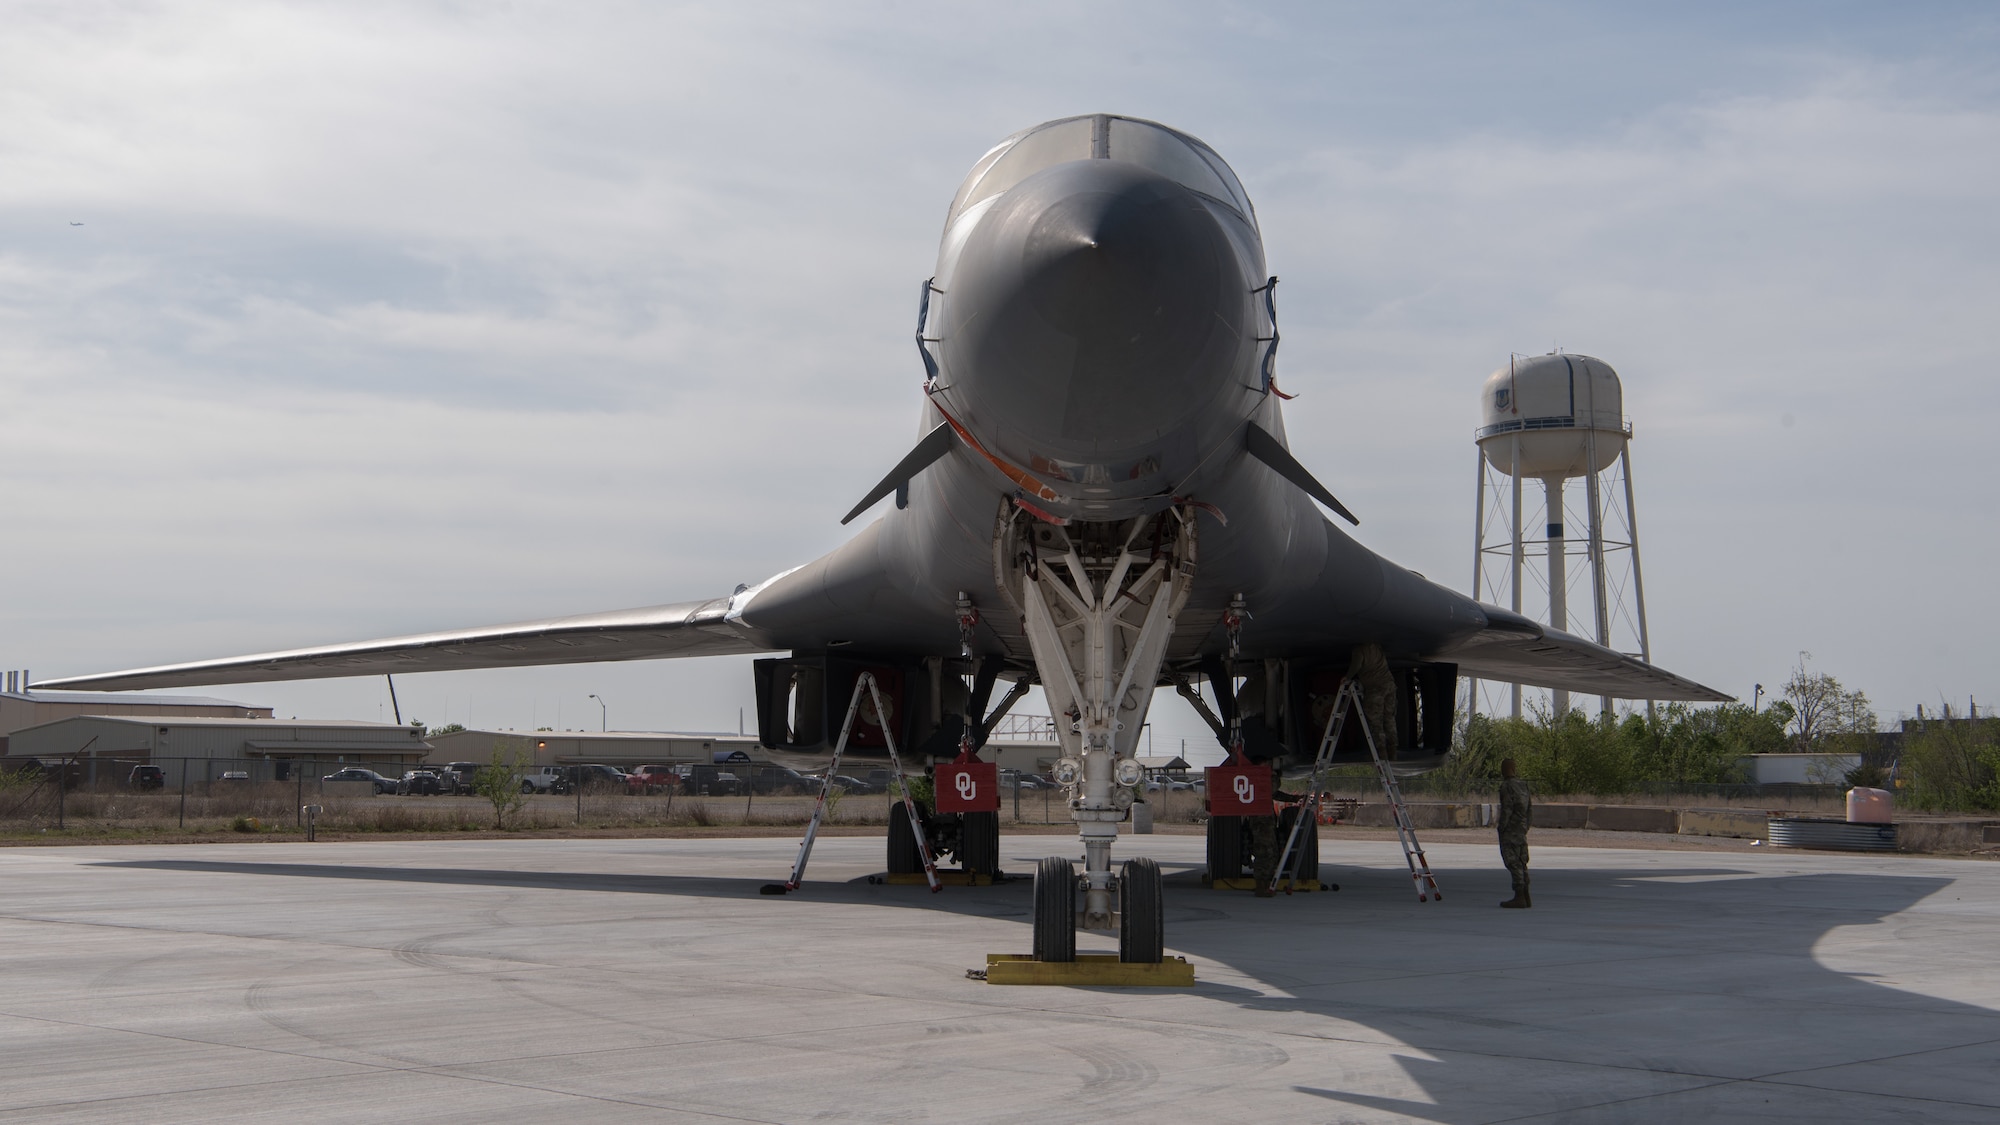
[[791, 703], [841, 675], [1313, 689], [1426, 705]]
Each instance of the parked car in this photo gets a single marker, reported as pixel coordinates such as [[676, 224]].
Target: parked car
[[707, 781], [1022, 779], [546, 779], [419, 783], [147, 777], [235, 775], [456, 777], [770, 779], [880, 778], [855, 784], [67, 773], [356, 773], [654, 779], [598, 777]]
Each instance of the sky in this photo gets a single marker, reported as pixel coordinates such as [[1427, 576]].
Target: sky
[[390, 317]]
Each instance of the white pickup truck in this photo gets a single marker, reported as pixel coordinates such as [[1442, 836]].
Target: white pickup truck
[[545, 779]]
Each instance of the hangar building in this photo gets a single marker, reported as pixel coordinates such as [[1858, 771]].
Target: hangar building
[[19, 709], [108, 746]]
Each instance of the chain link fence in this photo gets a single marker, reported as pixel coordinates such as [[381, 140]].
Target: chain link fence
[[108, 798]]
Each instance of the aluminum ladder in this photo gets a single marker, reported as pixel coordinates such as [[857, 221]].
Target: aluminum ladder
[[1349, 698], [865, 681]]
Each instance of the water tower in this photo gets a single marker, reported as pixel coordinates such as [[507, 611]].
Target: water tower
[[1554, 419]]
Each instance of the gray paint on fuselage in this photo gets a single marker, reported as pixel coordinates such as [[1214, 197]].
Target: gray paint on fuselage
[[1021, 343]]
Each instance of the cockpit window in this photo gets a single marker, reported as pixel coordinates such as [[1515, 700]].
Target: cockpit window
[[1058, 142], [1174, 155]]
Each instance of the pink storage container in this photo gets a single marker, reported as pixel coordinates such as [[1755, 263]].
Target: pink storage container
[[1869, 806]]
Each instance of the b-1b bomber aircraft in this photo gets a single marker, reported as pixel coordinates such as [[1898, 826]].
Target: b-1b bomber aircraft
[[1100, 500]]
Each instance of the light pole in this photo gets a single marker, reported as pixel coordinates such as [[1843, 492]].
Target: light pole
[[1757, 698], [603, 715]]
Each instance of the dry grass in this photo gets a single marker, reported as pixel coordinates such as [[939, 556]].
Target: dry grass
[[122, 814]]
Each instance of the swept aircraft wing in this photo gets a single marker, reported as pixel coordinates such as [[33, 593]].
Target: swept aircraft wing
[[649, 633], [1514, 649]]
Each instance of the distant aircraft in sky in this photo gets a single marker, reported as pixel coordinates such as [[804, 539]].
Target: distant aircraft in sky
[[1101, 501]]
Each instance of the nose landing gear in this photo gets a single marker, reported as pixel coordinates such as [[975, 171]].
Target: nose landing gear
[[1141, 914], [1141, 958], [1098, 603]]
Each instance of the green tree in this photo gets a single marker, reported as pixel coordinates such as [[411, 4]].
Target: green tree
[[1825, 716], [1683, 745], [1951, 763], [1569, 753], [499, 780]]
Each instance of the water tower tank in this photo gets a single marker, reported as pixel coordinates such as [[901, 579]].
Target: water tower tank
[[1565, 408]]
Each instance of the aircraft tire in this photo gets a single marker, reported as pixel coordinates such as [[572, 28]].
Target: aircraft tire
[[904, 856], [1055, 910], [1225, 847], [980, 843], [1142, 922]]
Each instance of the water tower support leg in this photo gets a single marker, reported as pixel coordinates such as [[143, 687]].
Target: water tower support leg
[[1520, 548], [1558, 580]]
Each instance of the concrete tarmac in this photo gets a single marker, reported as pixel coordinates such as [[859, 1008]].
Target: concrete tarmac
[[585, 980]]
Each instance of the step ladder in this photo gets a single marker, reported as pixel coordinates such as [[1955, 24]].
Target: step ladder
[[864, 682], [1346, 700]]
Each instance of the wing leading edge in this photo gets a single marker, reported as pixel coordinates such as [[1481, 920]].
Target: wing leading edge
[[1514, 649], [649, 633]]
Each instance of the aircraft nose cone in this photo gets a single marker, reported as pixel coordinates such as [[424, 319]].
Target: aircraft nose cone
[[1096, 307]]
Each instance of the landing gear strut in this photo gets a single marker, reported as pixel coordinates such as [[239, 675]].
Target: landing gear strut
[[1099, 602]]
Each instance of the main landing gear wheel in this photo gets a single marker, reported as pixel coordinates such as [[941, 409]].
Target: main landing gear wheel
[[1055, 910], [1225, 847], [979, 843], [1141, 919], [904, 856]]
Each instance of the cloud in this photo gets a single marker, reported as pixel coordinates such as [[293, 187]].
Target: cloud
[[386, 317]]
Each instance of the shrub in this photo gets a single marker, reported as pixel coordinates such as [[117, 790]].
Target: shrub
[[1952, 764], [1574, 753], [499, 780]]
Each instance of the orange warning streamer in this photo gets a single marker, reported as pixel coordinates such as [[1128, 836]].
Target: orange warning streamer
[[1019, 476]]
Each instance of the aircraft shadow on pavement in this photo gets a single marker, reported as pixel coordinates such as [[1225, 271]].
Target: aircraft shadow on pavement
[[1693, 978], [696, 886], [1657, 990]]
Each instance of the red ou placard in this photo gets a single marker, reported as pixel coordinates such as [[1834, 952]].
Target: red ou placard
[[968, 787], [1239, 790]]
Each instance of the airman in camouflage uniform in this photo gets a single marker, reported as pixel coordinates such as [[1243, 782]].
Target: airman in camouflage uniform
[[1263, 851], [1264, 845], [1369, 667], [1515, 809]]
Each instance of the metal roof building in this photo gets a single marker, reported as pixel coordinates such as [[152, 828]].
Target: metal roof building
[[19, 709], [107, 746]]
